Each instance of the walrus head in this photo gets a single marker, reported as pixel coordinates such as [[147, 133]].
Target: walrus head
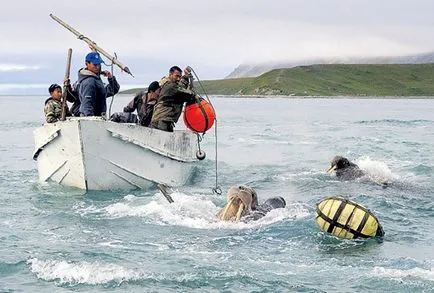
[[339, 162], [240, 200], [345, 170]]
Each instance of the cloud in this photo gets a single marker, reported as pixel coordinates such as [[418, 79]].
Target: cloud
[[17, 67], [218, 35]]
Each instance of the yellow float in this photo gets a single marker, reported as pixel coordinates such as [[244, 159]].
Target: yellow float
[[346, 219]]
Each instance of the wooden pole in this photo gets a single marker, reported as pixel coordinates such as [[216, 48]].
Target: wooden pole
[[92, 44], [66, 85]]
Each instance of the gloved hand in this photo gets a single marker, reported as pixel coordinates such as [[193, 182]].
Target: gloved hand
[[194, 99]]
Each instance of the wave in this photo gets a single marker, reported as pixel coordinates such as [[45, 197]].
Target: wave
[[83, 272], [193, 211], [113, 275], [395, 121], [425, 274], [10, 268]]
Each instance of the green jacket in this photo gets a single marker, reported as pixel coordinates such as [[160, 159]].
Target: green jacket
[[172, 98], [53, 110]]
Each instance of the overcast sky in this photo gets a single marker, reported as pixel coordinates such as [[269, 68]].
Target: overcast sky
[[212, 36]]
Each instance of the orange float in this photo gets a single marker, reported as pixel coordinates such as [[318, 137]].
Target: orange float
[[200, 116]]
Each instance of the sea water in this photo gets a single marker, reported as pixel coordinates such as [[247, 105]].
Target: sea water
[[60, 239]]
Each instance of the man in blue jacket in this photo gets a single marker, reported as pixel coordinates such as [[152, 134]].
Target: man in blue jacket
[[91, 90]]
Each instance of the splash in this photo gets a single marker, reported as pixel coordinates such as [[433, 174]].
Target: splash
[[96, 273], [81, 272], [193, 211], [376, 170], [425, 274]]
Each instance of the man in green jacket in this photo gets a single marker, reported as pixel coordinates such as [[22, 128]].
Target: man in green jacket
[[170, 102]]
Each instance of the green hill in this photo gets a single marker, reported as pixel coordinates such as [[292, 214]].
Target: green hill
[[332, 80]]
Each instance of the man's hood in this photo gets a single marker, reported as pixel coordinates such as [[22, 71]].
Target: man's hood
[[85, 73]]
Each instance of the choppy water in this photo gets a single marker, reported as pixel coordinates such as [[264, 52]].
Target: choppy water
[[55, 239]]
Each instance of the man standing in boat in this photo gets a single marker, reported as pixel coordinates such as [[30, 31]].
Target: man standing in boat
[[170, 102], [91, 90]]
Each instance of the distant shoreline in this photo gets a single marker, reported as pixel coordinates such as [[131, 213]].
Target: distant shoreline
[[330, 80], [270, 97]]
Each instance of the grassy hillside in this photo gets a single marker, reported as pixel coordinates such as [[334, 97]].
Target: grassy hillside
[[333, 80]]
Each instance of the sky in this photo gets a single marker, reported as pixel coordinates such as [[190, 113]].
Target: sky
[[213, 37]]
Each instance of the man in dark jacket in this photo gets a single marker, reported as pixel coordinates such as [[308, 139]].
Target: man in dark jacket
[[170, 102], [91, 90], [144, 103]]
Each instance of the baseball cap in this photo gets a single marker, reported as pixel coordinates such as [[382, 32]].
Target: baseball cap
[[94, 58]]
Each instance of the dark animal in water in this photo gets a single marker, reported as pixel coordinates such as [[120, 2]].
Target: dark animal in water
[[263, 209], [345, 170], [242, 204]]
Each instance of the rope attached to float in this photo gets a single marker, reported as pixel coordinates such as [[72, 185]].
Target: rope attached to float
[[216, 189]]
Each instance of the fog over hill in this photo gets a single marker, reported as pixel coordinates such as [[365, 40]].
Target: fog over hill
[[252, 70]]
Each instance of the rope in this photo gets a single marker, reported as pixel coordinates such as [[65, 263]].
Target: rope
[[199, 139], [216, 189], [113, 97], [201, 86]]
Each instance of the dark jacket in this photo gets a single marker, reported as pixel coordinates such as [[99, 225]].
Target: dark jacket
[[93, 94], [172, 98], [144, 108], [73, 97]]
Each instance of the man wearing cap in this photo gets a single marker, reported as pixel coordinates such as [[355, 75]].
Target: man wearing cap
[[91, 90], [144, 103], [172, 97], [53, 105]]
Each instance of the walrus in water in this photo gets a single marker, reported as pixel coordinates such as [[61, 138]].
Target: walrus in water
[[345, 170], [242, 204], [263, 209]]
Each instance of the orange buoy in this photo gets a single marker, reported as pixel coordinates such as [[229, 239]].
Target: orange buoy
[[200, 116]]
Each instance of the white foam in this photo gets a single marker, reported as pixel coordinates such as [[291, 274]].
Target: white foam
[[82, 272], [376, 170], [96, 273], [425, 274], [303, 175], [193, 211]]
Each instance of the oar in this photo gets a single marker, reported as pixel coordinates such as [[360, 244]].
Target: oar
[[163, 190]]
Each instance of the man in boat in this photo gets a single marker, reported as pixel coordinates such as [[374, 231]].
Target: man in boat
[[91, 90], [172, 97], [53, 105], [184, 81], [144, 103]]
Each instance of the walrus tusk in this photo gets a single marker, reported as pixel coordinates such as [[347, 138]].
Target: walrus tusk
[[331, 169], [240, 211], [222, 215]]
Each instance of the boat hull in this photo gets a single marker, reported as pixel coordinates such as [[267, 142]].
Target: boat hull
[[93, 154]]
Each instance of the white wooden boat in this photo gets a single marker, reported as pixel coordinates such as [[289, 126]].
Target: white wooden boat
[[94, 154]]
